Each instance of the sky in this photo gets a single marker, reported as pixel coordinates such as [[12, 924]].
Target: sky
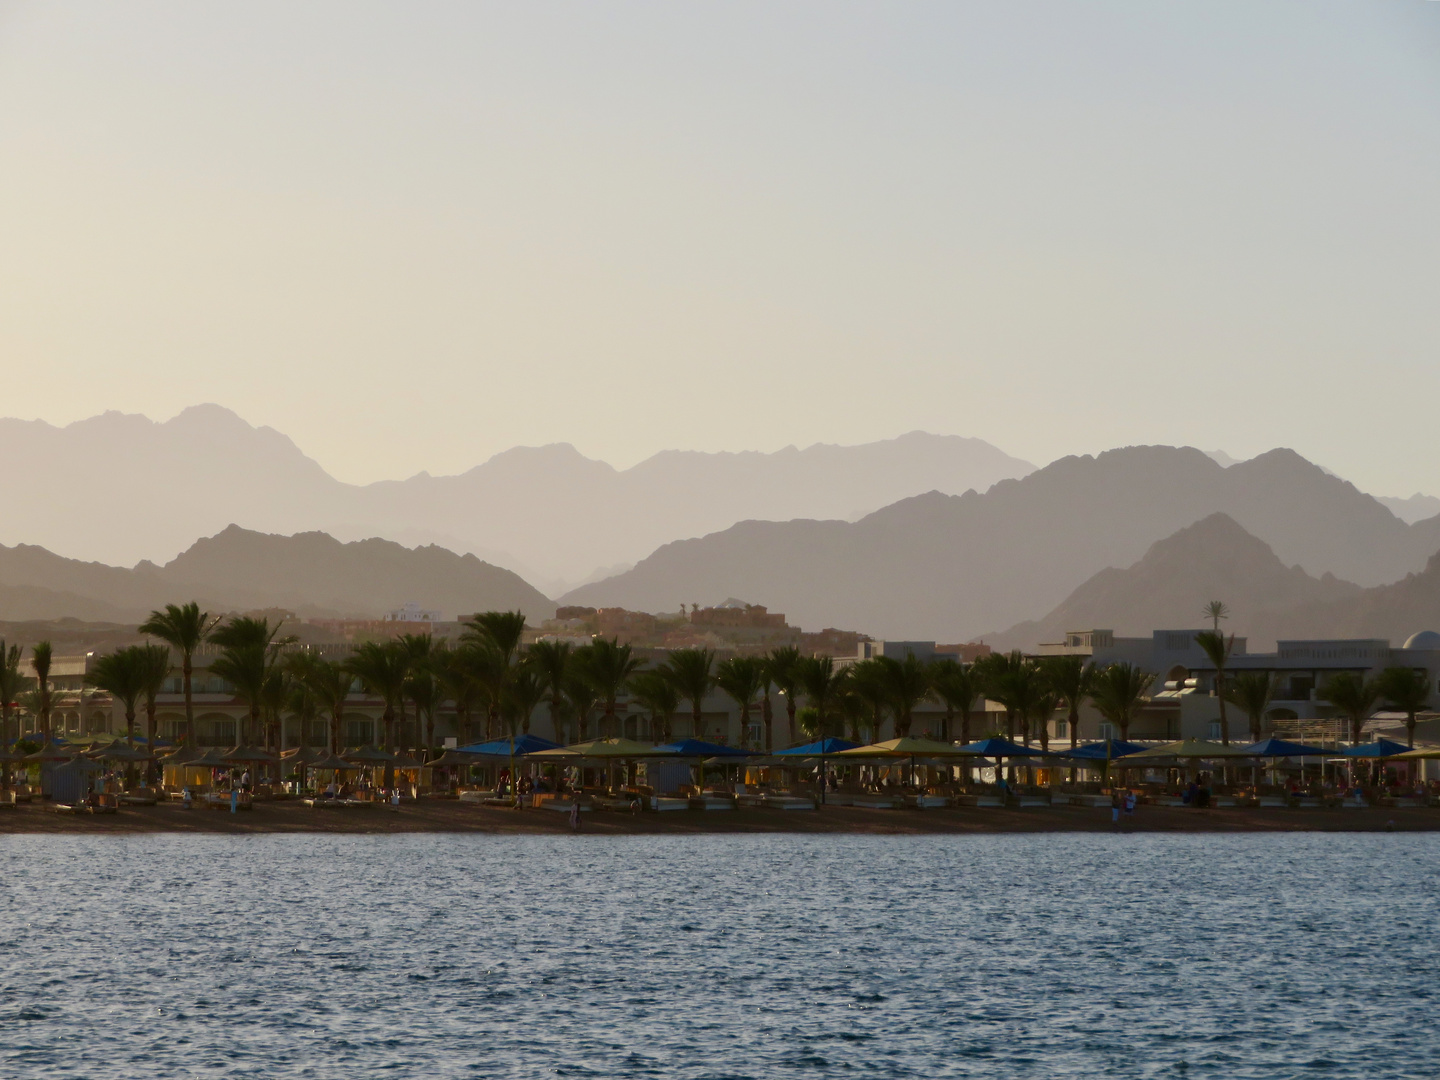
[[413, 235]]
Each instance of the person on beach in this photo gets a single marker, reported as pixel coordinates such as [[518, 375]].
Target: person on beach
[[1115, 807], [575, 816], [186, 799], [1130, 801]]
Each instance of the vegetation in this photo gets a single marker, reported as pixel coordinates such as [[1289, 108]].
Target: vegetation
[[1253, 691], [1355, 697], [1407, 690], [1118, 691], [1217, 648], [1069, 678], [184, 628], [692, 673]]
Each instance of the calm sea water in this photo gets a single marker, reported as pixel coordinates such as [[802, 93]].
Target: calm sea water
[[758, 956]]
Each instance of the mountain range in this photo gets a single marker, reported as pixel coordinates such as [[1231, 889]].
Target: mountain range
[[312, 574], [1216, 558], [119, 488], [952, 567]]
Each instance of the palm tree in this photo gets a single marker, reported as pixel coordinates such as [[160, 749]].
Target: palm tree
[[382, 670], [155, 661], [1217, 648], [185, 628], [1407, 690], [908, 681], [274, 693], [781, 664], [1253, 691], [822, 684], [1044, 708], [525, 691], [691, 670], [580, 694], [551, 659], [418, 648], [870, 687], [1069, 677], [301, 700], [1017, 683], [40, 659], [244, 668], [957, 685], [453, 673], [1216, 610], [122, 675], [609, 666], [11, 683], [1118, 691], [994, 672], [498, 633], [1354, 695], [657, 695], [330, 682], [740, 678]]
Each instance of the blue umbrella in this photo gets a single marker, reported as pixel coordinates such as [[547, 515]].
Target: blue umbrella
[[821, 749], [1280, 748], [817, 749], [1380, 748], [524, 744], [999, 747], [1108, 750], [701, 749]]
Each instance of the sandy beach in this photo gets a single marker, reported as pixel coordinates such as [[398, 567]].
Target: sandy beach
[[446, 816]]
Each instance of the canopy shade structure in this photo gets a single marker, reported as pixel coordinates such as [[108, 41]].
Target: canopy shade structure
[[524, 744], [997, 747], [303, 755], [1108, 750], [701, 749], [1280, 748], [118, 751], [183, 756], [333, 763], [1428, 753], [210, 759], [910, 748], [454, 757], [405, 761], [247, 755], [1380, 748], [1196, 749], [603, 748], [823, 748], [9, 755], [368, 755], [53, 752]]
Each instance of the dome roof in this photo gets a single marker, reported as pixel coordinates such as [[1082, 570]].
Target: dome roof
[[1425, 639]]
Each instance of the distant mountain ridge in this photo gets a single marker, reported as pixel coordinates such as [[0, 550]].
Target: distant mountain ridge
[[1212, 559], [1216, 559], [310, 573], [121, 488], [938, 566]]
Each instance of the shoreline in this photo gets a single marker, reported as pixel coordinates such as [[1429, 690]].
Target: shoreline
[[452, 817]]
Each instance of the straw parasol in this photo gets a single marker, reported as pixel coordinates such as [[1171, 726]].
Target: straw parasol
[[333, 763], [52, 752], [454, 757], [908, 747], [250, 755], [1428, 753], [118, 751], [369, 755]]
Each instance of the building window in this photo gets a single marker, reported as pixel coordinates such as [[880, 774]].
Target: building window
[[1214, 730], [358, 732], [1107, 731], [1062, 728]]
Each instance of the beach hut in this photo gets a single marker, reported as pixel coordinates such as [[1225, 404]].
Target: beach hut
[[703, 753]]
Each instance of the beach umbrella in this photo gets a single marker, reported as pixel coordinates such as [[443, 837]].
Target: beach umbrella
[[52, 752], [454, 757], [907, 747], [1107, 750], [1428, 753], [182, 756], [1380, 748], [501, 748], [249, 755], [823, 748], [1280, 748], [118, 751], [602, 748], [1186, 749], [333, 763], [999, 747], [368, 755]]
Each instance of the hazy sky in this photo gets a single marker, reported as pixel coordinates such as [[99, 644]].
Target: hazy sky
[[410, 235]]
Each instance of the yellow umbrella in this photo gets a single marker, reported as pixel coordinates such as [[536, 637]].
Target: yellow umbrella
[[602, 748], [1428, 753], [1186, 748], [908, 747]]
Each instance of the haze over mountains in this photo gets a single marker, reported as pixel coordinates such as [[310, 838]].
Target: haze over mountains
[[310, 573], [947, 567], [120, 488], [1214, 558]]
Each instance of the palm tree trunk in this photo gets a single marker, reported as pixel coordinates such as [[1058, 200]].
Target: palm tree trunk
[[697, 720], [767, 717], [1074, 724], [185, 670]]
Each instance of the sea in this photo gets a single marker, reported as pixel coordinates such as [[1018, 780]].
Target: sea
[[758, 956]]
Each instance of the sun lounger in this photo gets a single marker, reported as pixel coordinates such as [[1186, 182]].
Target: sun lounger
[[926, 802], [1085, 798], [1160, 800], [788, 802], [1309, 802], [1271, 801], [1407, 802], [670, 802], [1027, 801], [877, 802], [142, 797], [711, 802], [565, 804], [989, 802]]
